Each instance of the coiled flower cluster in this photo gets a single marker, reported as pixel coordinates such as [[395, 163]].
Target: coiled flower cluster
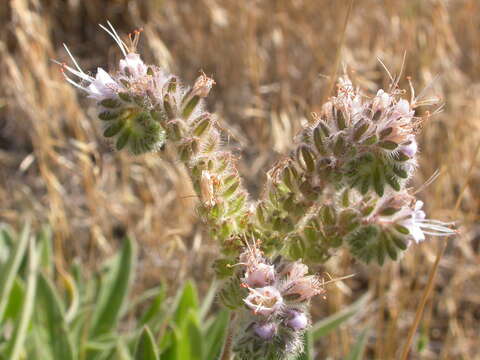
[[143, 109], [276, 301], [346, 182]]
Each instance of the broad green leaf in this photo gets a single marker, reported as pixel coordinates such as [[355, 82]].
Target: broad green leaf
[[15, 302], [327, 325], [146, 348], [52, 315], [114, 292], [215, 334], [10, 269], [188, 300], [15, 345], [175, 349], [192, 335], [154, 313], [359, 348], [36, 345]]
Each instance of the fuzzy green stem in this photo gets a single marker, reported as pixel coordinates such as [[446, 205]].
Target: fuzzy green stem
[[227, 346]]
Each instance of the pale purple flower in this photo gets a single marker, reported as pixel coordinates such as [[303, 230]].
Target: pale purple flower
[[102, 87], [264, 301]]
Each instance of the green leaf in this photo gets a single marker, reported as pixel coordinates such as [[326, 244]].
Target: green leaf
[[208, 300], [359, 347], [114, 292], [309, 351], [10, 269], [16, 343], [192, 335], [52, 315], [155, 314], [188, 300], [327, 325], [146, 348], [15, 301], [46, 260], [121, 351], [215, 334]]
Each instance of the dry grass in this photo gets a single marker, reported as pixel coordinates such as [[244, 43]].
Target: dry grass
[[271, 60]]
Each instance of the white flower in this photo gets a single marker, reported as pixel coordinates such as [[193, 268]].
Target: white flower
[[419, 226], [412, 223], [382, 100], [410, 148], [402, 108], [102, 87], [133, 66]]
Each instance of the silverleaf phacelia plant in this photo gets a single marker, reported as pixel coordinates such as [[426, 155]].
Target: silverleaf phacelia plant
[[345, 185]]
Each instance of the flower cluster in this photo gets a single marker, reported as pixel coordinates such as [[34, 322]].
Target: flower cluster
[[143, 108], [276, 310], [347, 181], [344, 184]]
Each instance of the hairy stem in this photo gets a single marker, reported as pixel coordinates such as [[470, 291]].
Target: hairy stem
[[227, 346]]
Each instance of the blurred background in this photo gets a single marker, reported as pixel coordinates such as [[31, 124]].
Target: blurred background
[[273, 62]]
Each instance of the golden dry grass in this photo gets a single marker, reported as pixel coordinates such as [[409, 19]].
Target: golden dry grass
[[272, 61]]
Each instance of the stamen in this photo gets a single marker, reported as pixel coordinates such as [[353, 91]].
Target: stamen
[[115, 37]]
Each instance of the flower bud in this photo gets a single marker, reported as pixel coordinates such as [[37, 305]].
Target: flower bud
[[410, 148], [296, 320], [265, 331], [202, 86]]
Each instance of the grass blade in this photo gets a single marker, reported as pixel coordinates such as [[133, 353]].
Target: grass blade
[[327, 325], [114, 292], [10, 269], [359, 347], [15, 346], [146, 348], [53, 315]]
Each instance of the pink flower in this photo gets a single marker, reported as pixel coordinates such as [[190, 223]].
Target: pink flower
[[260, 275]]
